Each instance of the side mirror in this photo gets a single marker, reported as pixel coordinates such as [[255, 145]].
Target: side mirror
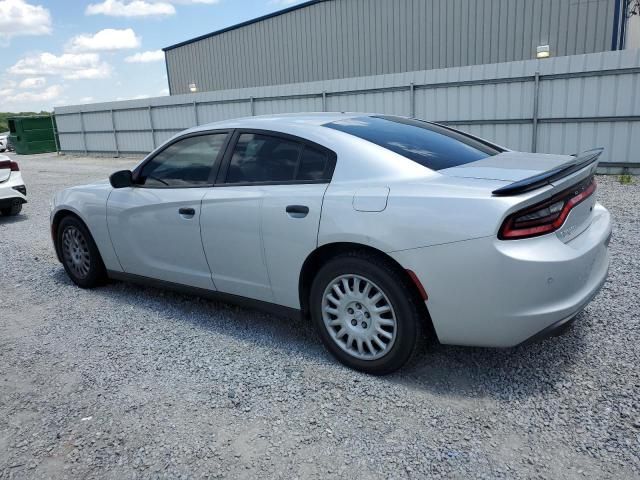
[[121, 179]]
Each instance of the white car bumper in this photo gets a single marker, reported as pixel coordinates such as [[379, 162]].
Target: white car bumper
[[494, 293], [12, 190]]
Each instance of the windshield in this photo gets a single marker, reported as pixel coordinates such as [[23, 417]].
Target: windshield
[[431, 145]]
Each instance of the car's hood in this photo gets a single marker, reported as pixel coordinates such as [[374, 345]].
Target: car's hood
[[508, 166]]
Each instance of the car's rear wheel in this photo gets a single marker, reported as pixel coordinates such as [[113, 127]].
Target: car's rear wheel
[[80, 256], [13, 210], [366, 313]]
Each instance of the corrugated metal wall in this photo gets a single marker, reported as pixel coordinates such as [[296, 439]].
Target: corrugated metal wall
[[558, 105], [351, 38]]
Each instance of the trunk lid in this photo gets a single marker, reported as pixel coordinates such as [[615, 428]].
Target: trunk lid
[[508, 166]]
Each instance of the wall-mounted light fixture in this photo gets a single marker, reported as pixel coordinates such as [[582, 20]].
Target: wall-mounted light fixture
[[543, 51], [193, 88]]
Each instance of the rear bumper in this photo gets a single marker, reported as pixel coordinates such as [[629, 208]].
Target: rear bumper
[[561, 326], [493, 293]]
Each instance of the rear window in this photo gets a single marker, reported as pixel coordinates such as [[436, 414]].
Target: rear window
[[432, 146]]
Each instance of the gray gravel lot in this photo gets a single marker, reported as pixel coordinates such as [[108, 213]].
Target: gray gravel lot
[[131, 382]]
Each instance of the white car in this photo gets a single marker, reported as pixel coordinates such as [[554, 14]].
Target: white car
[[3, 143], [13, 192], [379, 228]]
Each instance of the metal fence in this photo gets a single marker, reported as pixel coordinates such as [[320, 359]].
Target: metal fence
[[558, 105]]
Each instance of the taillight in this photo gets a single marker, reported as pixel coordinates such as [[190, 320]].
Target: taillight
[[547, 216], [8, 164]]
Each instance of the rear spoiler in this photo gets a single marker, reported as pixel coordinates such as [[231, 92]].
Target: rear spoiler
[[580, 161]]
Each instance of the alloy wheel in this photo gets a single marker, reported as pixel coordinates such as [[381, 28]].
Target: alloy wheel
[[76, 252]]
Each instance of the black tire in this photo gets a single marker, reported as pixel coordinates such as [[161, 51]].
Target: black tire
[[96, 273], [391, 281], [13, 210]]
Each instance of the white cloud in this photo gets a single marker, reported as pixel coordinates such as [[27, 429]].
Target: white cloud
[[164, 92], [33, 82], [146, 57], [141, 8], [135, 8], [72, 66], [109, 39], [46, 95], [18, 17]]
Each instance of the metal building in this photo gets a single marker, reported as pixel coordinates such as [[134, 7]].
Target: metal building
[[333, 39]]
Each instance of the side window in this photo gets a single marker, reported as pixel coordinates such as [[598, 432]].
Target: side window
[[260, 158], [185, 163], [313, 164]]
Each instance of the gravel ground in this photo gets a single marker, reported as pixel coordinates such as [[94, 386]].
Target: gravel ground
[[132, 382]]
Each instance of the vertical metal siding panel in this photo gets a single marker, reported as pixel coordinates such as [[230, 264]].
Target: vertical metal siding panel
[[352, 47], [451, 33], [430, 48], [311, 34], [606, 16], [501, 27], [573, 19], [367, 25], [555, 26], [393, 55], [299, 47], [469, 44], [100, 142], [454, 13], [68, 123], [509, 31], [436, 45], [489, 55], [565, 26], [409, 10], [527, 32], [536, 23], [590, 27], [70, 142], [545, 23]]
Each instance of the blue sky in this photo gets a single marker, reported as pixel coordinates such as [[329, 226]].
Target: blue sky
[[61, 52]]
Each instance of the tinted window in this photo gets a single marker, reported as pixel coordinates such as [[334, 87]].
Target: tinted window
[[260, 158], [430, 145], [187, 162], [313, 164]]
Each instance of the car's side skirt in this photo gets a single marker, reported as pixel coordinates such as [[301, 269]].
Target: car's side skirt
[[268, 307]]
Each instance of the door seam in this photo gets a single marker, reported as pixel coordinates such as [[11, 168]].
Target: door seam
[[204, 250]]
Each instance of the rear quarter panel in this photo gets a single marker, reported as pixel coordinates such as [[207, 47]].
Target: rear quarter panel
[[418, 213]]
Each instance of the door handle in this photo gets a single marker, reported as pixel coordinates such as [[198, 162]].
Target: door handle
[[187, 212], [297, 211]]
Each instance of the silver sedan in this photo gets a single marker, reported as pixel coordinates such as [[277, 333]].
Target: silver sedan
[[380, 229]]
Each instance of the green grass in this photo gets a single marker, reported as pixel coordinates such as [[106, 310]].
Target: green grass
[[4, 126], [626, 179]]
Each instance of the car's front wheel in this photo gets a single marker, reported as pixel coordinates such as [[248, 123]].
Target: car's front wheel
[[80, 256], [366, 313]]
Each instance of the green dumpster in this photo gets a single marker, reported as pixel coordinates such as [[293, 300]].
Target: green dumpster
[[33, 134]]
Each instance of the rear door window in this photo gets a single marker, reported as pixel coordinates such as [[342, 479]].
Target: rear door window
[[261, 158], [431, 145]]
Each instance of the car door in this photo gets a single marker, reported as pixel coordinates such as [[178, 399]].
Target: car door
[[155, 225], [260, 221]]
